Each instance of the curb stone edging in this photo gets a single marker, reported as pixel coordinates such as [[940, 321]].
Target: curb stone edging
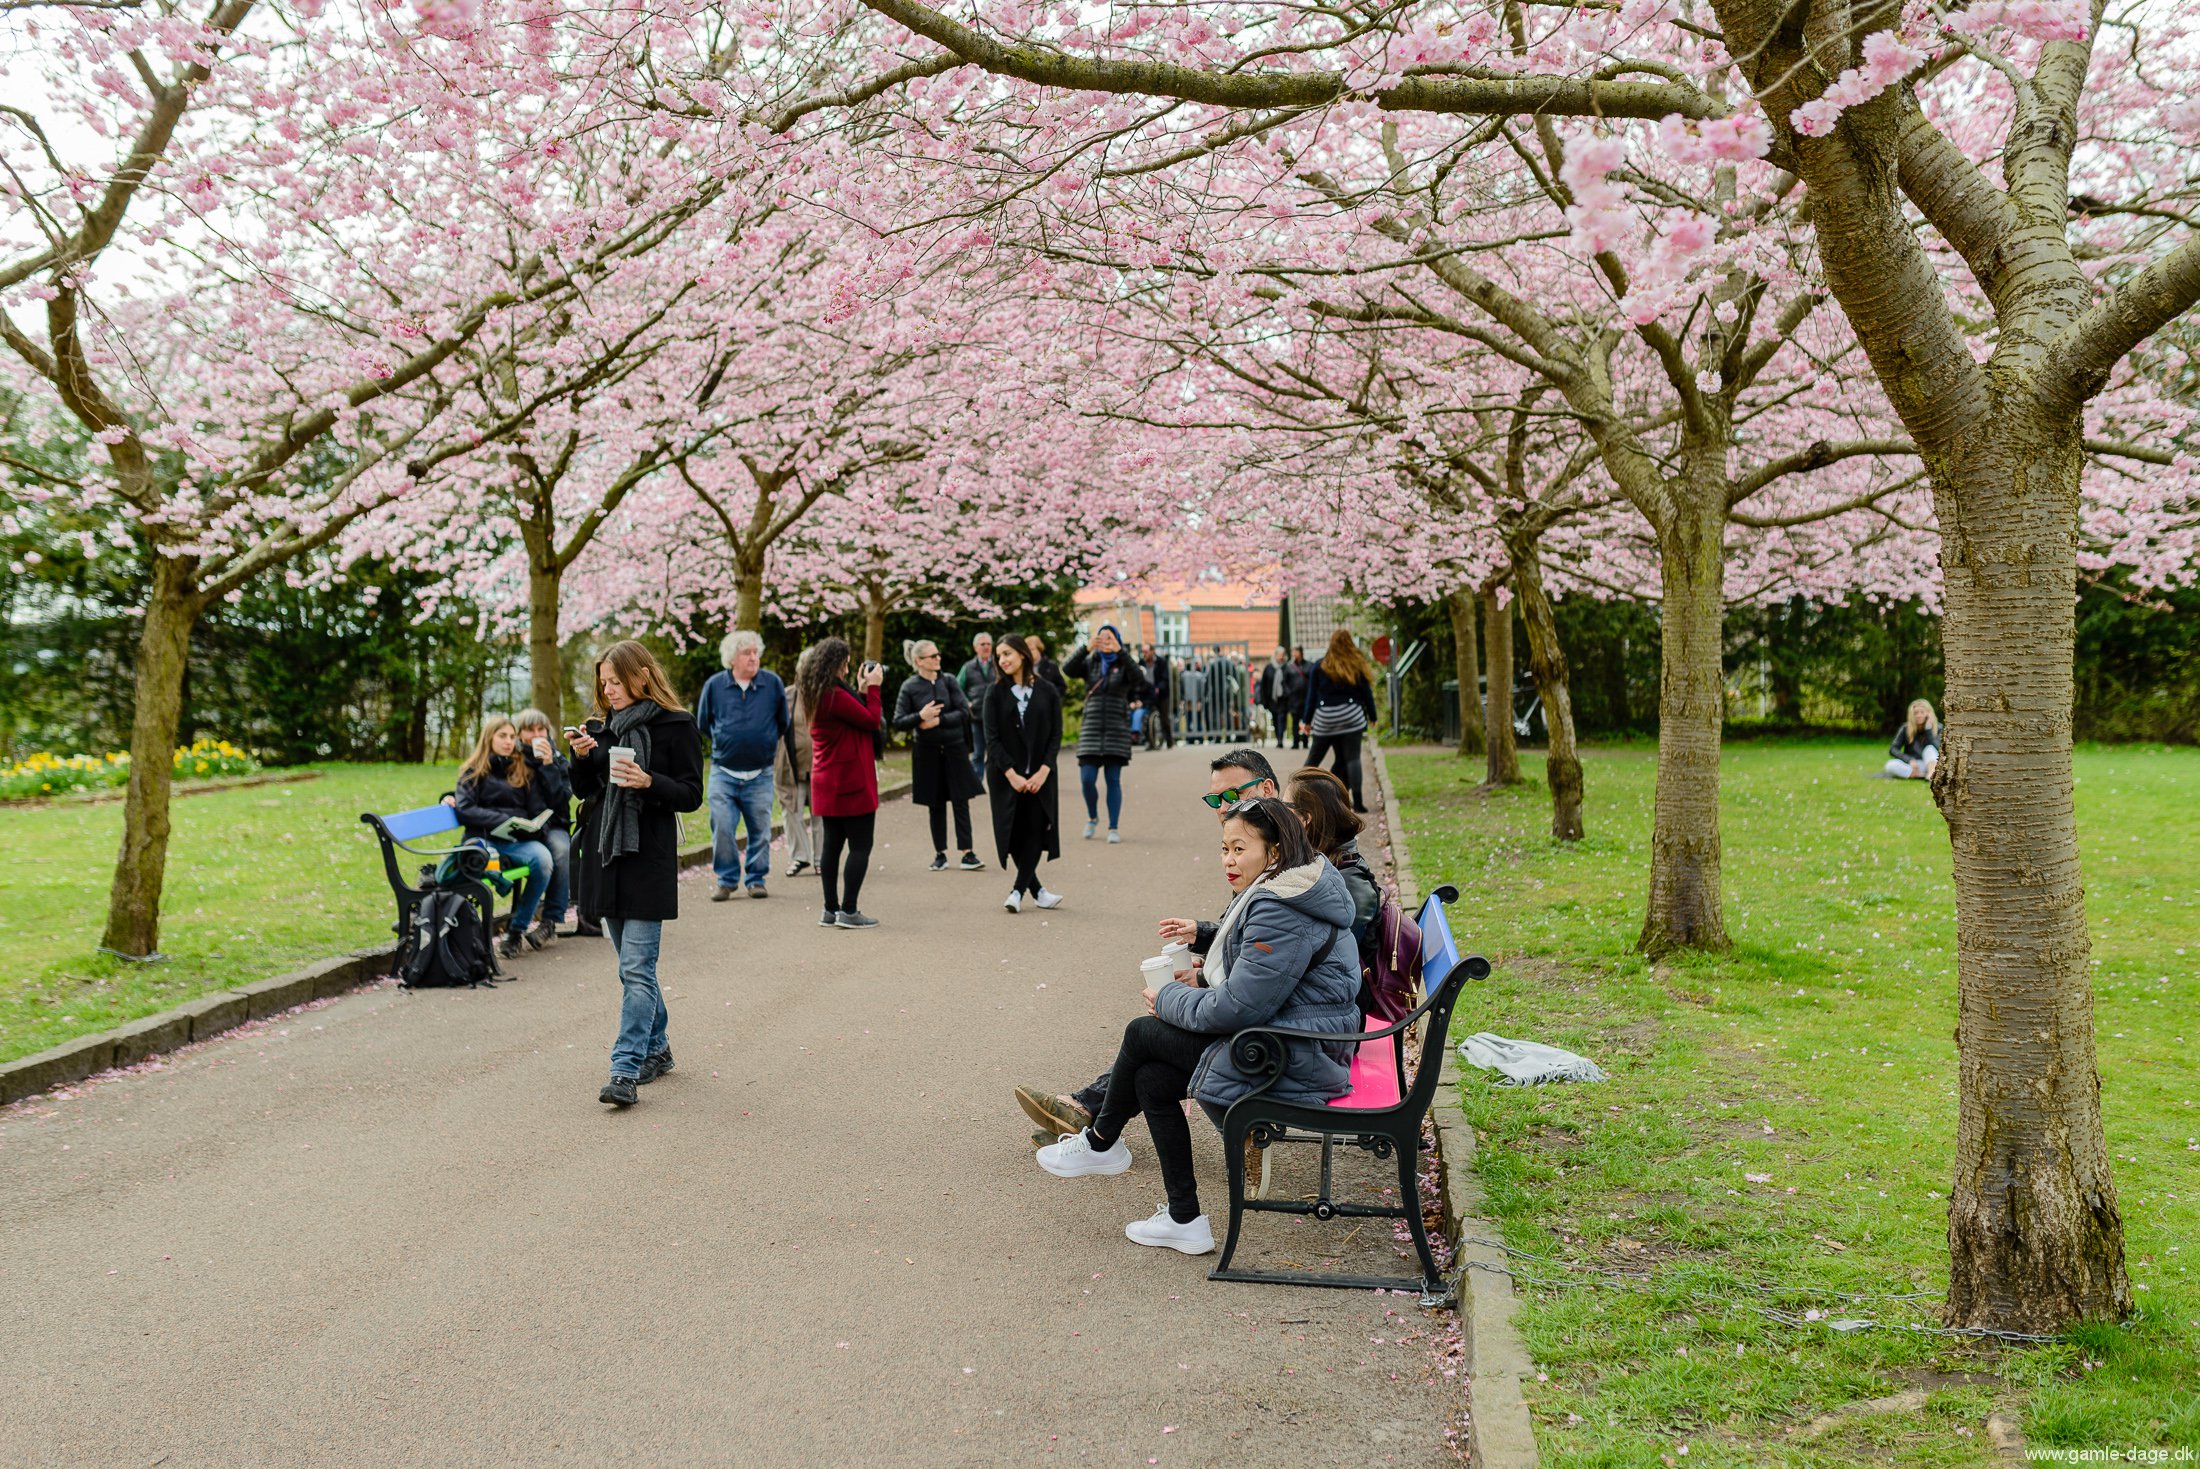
[[196, 1020], [211, 1014], [1500, 1432]]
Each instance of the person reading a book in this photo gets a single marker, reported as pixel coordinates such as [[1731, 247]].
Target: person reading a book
[[502, 800]]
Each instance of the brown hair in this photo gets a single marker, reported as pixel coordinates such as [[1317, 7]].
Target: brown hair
[[1325, 806], [1344, 662], [477, 764], [639, 670], [1027, 667], [1280, 830]]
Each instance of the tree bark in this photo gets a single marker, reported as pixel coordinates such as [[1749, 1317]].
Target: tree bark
[[1685, 910], [2035, 1237], [1467, 668], [545, 655], [1562, 765], [172, 608], [874, 628], [1501, 754], [748, 590]]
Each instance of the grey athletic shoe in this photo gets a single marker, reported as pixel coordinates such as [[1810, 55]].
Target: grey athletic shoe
[[849, 918]]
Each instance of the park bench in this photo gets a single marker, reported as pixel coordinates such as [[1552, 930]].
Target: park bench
[[399, 832], [1382, 1114]]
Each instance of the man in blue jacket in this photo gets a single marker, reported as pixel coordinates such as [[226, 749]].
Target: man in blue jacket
[[743, 713]]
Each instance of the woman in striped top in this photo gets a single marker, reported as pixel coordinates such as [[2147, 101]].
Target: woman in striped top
[[1340, 704]]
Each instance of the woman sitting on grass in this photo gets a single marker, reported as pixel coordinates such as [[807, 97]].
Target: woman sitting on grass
[[1282, 954], [1916, 747], [494, 785]]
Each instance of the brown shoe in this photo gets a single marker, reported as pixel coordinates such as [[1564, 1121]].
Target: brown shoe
[[721, 894], [1055, 1113], [1044, 1139]]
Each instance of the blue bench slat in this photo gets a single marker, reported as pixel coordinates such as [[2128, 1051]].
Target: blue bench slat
[[407, 826]]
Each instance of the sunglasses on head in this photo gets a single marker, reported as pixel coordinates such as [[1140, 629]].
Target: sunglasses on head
[[1231, 796]]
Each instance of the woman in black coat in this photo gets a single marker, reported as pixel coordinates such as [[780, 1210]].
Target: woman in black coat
[[936, 713], [1113, 682], [1023, 734], [627, 854]]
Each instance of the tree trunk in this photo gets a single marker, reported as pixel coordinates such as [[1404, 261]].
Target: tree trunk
[[1467, 668], [2035, 1238], [1562, 766], [1502, 755], [874, 629], [1685, 910], [748, 592], [172, 608], [545, 655]]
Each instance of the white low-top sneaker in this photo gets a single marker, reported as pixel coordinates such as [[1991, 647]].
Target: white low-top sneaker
[[1115, 836], [1015, 902], [1195, 1238], [1075, 1157], [1048, 899]]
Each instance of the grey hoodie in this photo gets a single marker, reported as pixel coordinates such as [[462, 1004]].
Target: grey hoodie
[[1268, 955]]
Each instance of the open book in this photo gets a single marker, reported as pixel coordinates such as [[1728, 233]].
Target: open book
[[525, 826]]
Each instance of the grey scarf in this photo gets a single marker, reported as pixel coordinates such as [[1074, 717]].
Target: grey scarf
[[619, 823]]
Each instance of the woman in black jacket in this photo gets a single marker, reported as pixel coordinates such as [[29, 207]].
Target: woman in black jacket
[[935, 712], [1023, 734], [496, 785], [628, 853], [1340, 705], [1113, 682]]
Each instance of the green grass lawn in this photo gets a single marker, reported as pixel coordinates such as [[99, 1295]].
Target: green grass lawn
[[261, 880], [1776, 1143]]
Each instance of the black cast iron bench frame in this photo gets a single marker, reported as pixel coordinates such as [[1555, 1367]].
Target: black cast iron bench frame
[[1383, 1131]]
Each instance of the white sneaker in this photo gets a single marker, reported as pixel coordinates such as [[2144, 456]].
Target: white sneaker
[[1074, 1157], [1090, 828], [1115, 836], [1195, 1238], [1015, 902], [1047, 899]]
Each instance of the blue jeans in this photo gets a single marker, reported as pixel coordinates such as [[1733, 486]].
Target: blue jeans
[[540, 865], [749, 802], [642, 1007], [1088, 776], [560, 843]]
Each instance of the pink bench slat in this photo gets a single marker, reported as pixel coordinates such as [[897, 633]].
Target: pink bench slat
[[1374, 1073]]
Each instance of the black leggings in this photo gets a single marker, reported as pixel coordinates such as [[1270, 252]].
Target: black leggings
[[938, 811], [1347, 747], [1027, 841], [1153, 1075], [852, 833]]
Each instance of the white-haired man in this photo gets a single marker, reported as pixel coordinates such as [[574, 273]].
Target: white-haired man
[[743, 713]]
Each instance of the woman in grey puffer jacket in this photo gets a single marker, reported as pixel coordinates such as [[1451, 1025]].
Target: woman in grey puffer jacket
[[1282, 954]]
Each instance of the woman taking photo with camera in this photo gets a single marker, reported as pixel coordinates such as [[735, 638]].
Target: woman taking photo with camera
[[1113, 682], [637, 765], [847, 735]]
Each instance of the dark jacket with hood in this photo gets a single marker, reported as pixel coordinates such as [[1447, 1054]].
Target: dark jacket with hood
[[1270, 978], [486, 801], [1104, 738]]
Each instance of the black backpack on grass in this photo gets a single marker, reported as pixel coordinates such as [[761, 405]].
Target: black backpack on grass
[[449, 944]]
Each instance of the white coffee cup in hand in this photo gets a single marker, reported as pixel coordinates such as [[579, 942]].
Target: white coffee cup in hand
[[623, 767]]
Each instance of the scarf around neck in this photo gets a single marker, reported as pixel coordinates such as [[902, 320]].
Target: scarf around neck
[[619, 823], [1289, 883]]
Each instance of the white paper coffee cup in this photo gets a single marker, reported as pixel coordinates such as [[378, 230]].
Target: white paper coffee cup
[[1180, 957], [620, 753], [1154, 972]]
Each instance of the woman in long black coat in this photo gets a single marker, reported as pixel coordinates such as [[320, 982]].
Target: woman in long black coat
[[1113, 682], [1023, 734], [627, 855], [934, 710]]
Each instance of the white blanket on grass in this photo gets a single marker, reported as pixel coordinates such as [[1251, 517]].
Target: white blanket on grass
[[1527, 1063]]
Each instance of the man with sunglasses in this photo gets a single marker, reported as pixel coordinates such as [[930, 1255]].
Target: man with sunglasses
[[1235, 775]]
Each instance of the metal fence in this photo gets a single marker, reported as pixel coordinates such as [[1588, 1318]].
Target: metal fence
[[1210, 694]]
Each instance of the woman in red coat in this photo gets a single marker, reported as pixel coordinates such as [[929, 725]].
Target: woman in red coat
[[847, 735]]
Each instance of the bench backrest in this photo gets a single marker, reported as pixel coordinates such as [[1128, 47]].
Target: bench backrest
[[428, 821]]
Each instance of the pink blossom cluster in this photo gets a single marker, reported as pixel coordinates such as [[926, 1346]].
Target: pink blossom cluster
[[1887, 59]]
